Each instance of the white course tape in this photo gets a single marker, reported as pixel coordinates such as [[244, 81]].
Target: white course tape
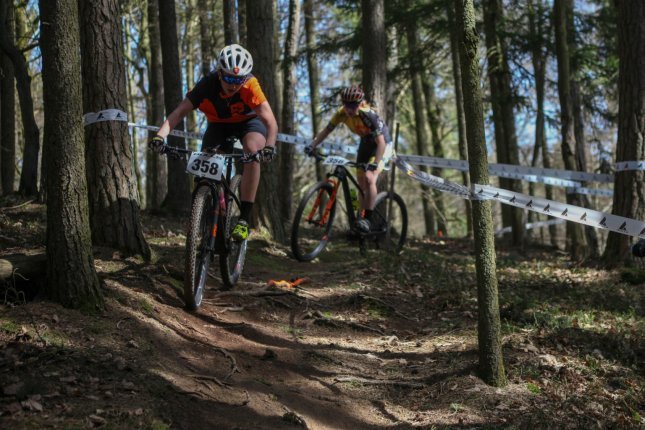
[[433, 181], [531, 225], [630, 165], [591, 191], [565, 211], [104, 115]]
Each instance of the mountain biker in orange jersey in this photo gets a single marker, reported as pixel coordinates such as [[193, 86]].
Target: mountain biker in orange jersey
[[234, 105], [357, 115]]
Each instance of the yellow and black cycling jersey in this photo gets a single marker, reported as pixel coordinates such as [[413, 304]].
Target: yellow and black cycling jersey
[[366, 123]]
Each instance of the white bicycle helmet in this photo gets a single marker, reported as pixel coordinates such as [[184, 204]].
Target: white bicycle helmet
[[235, 60]]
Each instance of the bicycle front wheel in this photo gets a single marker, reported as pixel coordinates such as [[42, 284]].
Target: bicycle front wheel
[[312, 222], [198, 246], [398, 222], [231, 260]]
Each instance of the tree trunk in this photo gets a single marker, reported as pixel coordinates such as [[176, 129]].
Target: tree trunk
[[188, 55], [230, 22], [204, 35], [178, 197], [241, 21], [374, 44], [629, 186], [71, 277], [491, 361], [421, 126], [433, 111], [503, 115], [459, 99], [114, 201], [287, 165], [7, 106], [260, 33], [578, 128], [156, 164], [576, 243], [29, 175], [312, 68]]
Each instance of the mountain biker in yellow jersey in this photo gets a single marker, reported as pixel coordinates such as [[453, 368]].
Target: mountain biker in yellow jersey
[[234, 105], [357, 115]]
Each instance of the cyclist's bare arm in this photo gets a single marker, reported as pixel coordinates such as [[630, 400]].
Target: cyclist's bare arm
[[321, 136], [265, 113], [184, 108]]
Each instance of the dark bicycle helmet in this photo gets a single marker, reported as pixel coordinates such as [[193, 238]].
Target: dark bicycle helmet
[[352, 94]]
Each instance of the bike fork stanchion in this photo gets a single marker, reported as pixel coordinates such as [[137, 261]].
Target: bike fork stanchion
[[392, 178]]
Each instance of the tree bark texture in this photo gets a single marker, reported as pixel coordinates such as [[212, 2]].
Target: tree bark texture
[[374, 42], [204, 35], [629, 186], [178, 196], [113, 199], [433, 111], [72, 279], [420, 120], [576, 243], [312, 68], [156, 164], [503, 115], [260, 34], [29, 174], [231, 34], [7, 106], [241, 21], [287, 152], [459, 101], [491, 361]]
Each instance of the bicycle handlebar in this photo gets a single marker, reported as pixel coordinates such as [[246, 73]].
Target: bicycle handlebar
[[349, 163]]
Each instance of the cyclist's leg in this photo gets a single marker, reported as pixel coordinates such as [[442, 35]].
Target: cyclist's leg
[[214, 135], [252, 133]]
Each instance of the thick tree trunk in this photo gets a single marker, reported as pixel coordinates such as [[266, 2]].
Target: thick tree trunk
[[71, 277], [312, 68], [7, 106], [287, 165], [433, 110], [459, 101], [629, 186], [420, 120], [178, 197], [204, 35], [576, 243], [374, 43], [491, 361], [260, 33], [503, 115], [114, 201], [188, 55], [29, 175], [156, 165], [241, 21], [230, 22]]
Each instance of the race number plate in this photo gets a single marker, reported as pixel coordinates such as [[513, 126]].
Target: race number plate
[[334, 160], [206, 165]]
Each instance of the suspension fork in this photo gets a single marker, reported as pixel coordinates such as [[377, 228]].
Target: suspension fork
[[332, 199]]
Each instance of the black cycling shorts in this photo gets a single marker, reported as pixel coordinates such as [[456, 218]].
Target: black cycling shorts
[[217, 132]]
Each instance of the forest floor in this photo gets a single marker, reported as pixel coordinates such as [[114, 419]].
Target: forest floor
[[366, 343]]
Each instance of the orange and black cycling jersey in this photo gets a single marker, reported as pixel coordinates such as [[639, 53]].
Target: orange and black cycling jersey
[[367, 123], [208, 96]]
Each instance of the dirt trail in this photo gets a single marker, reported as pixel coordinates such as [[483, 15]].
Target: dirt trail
[[375, 342]]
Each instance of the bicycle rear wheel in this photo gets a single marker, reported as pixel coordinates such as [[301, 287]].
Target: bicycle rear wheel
[[231, 260], [312, 222], [398, 219], [198, 240]]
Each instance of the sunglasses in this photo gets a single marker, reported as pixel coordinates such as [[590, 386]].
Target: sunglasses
[[351, 105], [233, 80]]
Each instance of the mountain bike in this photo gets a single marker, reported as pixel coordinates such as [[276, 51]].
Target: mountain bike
[[313, 223], [214, 214]]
